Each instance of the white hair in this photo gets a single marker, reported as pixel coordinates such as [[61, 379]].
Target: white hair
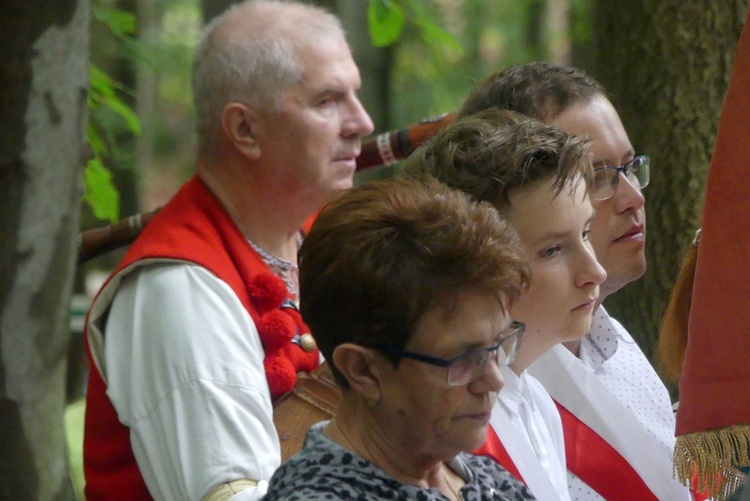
[[248, 54]]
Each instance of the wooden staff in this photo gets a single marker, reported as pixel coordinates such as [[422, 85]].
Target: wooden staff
[[391, 147], [92, 243], [387, 148]]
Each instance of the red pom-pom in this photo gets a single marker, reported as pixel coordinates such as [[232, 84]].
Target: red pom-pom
[[275, 329], [267, 291], [280, 374]]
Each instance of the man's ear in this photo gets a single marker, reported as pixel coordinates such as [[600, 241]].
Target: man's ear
[[363, 369], [238, 122]]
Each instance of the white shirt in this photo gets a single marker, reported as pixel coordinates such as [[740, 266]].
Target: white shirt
[[629, 376], [183, 364], [528, 424], [625, 374]]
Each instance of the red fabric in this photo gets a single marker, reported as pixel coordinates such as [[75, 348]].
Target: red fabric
[[495, 449], [109, 466], [193, 227], [716, 372], [308, 224], [593, 460], [697, 496]]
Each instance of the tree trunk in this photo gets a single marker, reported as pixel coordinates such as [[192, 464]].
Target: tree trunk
[[666, 64], [43, 85]]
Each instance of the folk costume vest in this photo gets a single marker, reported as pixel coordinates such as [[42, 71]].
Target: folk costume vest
[[193, 228]]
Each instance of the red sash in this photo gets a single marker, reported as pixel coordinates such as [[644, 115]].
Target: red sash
[[495, 449], [594, 461]]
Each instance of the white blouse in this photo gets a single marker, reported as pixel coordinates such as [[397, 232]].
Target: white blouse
[[528, 424]]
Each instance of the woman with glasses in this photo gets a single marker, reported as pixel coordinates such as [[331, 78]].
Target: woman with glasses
[[406, 286], [536, 176]]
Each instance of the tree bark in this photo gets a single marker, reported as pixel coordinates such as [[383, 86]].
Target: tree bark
[[43, 85], [666, 64]]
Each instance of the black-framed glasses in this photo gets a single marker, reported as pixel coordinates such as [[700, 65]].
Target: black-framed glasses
[[469, 366], [604, 180]]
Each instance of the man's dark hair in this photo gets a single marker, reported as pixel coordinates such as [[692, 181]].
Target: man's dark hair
[[539, 90]]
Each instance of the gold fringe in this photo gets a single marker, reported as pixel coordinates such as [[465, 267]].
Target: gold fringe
[[715, 456]]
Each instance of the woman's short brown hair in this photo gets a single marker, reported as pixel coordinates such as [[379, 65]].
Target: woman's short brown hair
[[386, 252]]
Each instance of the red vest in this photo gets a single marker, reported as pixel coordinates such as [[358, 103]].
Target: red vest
[[195, 228]]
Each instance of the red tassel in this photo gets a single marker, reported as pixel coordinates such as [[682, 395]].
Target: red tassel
[[276, 329], [280, 373], [267, 291]]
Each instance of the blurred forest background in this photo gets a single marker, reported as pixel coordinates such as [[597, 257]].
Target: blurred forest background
[[145, 46], [666, 64]]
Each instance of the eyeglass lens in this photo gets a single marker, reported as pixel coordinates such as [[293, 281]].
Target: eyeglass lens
[[605, 180], [471, 366]]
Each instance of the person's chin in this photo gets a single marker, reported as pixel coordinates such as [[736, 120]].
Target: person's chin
[[343, 182], [338, 187], [345, 168], [579, 328], [476, 441], [630, 268]]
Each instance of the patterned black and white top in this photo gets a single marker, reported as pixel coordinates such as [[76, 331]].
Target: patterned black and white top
[[324, 470]]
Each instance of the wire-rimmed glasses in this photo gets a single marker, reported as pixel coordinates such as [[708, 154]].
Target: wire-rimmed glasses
[[604, 180]]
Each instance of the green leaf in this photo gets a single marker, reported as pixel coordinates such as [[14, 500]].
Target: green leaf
[[99, 191], [435, 35], [102, 86], [95, 140], [386, 21], [126, 113], [120, 22]]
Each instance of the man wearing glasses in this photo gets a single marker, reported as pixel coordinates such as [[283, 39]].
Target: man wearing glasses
[[616, 412]]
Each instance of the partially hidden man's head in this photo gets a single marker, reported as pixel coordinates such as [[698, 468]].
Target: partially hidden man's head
[[387, 252], [568, 98]]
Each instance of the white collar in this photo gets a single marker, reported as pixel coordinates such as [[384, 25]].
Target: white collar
[[600, 343]]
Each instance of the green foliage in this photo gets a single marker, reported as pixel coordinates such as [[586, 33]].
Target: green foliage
[[119, 22], [581, 27], [104, 103], [387, 20], [99, 192], [74, 419], [433, 78]]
